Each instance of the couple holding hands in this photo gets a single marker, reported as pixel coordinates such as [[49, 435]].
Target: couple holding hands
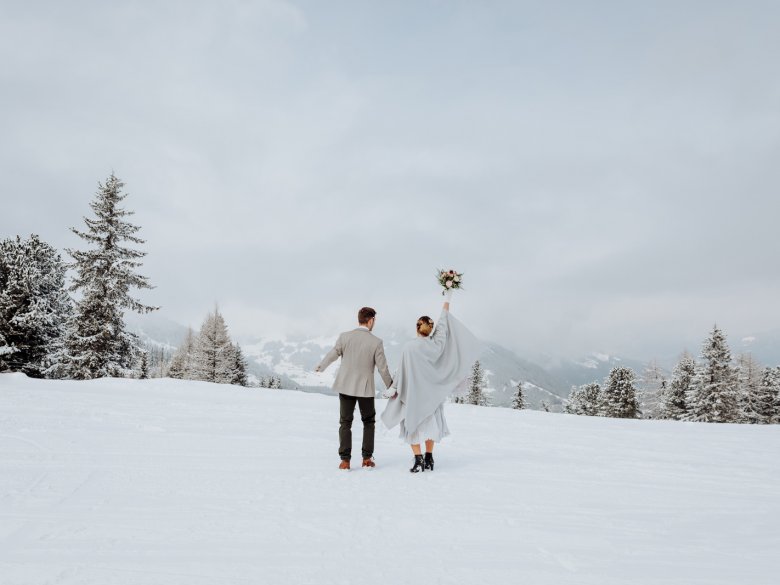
[[433, 366]]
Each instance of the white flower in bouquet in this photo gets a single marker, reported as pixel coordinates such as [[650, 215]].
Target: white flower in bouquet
[[449, 280]]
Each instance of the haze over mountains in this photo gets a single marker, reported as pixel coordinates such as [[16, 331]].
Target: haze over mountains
[[545, 379]]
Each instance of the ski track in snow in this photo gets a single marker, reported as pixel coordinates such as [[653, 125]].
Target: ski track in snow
[[123, 482]]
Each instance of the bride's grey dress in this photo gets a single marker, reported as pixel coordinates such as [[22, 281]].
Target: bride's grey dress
[[431, 369]]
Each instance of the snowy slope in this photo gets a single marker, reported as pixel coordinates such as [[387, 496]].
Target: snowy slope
[[166, 482]]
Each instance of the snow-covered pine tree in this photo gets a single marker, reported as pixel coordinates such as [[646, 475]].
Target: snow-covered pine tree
[[714, 397], [585, 400], [749, 381], [767, 398], [271, 382], [213, 359], [572, 404], [239, 376], [674, 405], [158, 358], [34, 307], [143, 368], [476, 393], [181, 363], [618, 396], [98, 344], [652, 387], [776, 415], [518, 402]]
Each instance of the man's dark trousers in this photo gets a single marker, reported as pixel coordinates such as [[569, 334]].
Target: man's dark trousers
[[367, 415]]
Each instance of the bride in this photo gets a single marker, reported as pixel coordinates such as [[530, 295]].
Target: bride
[[432, 368]]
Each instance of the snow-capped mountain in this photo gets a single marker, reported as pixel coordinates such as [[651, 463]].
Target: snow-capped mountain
[[156, 330], [295, 359], [545, 380], [594, 367]]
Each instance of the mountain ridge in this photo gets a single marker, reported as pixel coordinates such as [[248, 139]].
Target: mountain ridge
[[547, 381]]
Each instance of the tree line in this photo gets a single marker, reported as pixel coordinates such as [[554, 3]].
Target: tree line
[[716, 388], [476, 394], [47, 333]]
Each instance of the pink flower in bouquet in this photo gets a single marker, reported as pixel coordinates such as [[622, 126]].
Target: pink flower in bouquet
[[449, 280]]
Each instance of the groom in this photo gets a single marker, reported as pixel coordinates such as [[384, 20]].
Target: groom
[[360, 352]]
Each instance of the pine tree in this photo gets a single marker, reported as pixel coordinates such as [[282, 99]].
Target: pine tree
[[239, 368], [181, 363], [749, 382], [276, 383], [213, 356], [158, 359], [34, 307], [674, 405], [98, 344], [618, 397], [775, 419], [572, 404], [714, 395], [585, 400], [653, 386], [477, 385], [518, 403], [767, 397], [143, 370]]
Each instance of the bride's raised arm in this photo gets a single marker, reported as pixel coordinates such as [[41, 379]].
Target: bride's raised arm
[[441, 332]]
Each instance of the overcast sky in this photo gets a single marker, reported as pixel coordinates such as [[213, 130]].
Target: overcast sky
[[605, 173]]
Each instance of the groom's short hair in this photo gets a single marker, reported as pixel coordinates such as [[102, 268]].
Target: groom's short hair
[[365, 315]]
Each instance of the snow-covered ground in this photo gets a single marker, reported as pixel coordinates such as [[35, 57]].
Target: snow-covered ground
[[122, 482]]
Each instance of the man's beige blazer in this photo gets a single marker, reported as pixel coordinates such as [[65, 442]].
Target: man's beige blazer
[[360, 352]]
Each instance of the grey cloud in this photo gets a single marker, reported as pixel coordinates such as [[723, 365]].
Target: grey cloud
[[605, 174]]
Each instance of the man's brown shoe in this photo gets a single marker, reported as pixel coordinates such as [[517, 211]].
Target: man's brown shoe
[[369, 462], [344, 464]]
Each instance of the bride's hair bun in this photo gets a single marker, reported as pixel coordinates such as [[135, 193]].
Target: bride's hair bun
[[424, 326]]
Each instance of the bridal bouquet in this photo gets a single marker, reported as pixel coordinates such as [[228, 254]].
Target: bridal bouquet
[[450, 280]]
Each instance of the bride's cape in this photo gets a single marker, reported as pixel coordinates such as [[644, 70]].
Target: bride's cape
[[433, 368]]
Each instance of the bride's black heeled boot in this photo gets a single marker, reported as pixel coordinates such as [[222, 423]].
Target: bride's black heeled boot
[[428, 464], [419, 464]]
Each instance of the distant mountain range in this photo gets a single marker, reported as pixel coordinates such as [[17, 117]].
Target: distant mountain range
[[547, 380]]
